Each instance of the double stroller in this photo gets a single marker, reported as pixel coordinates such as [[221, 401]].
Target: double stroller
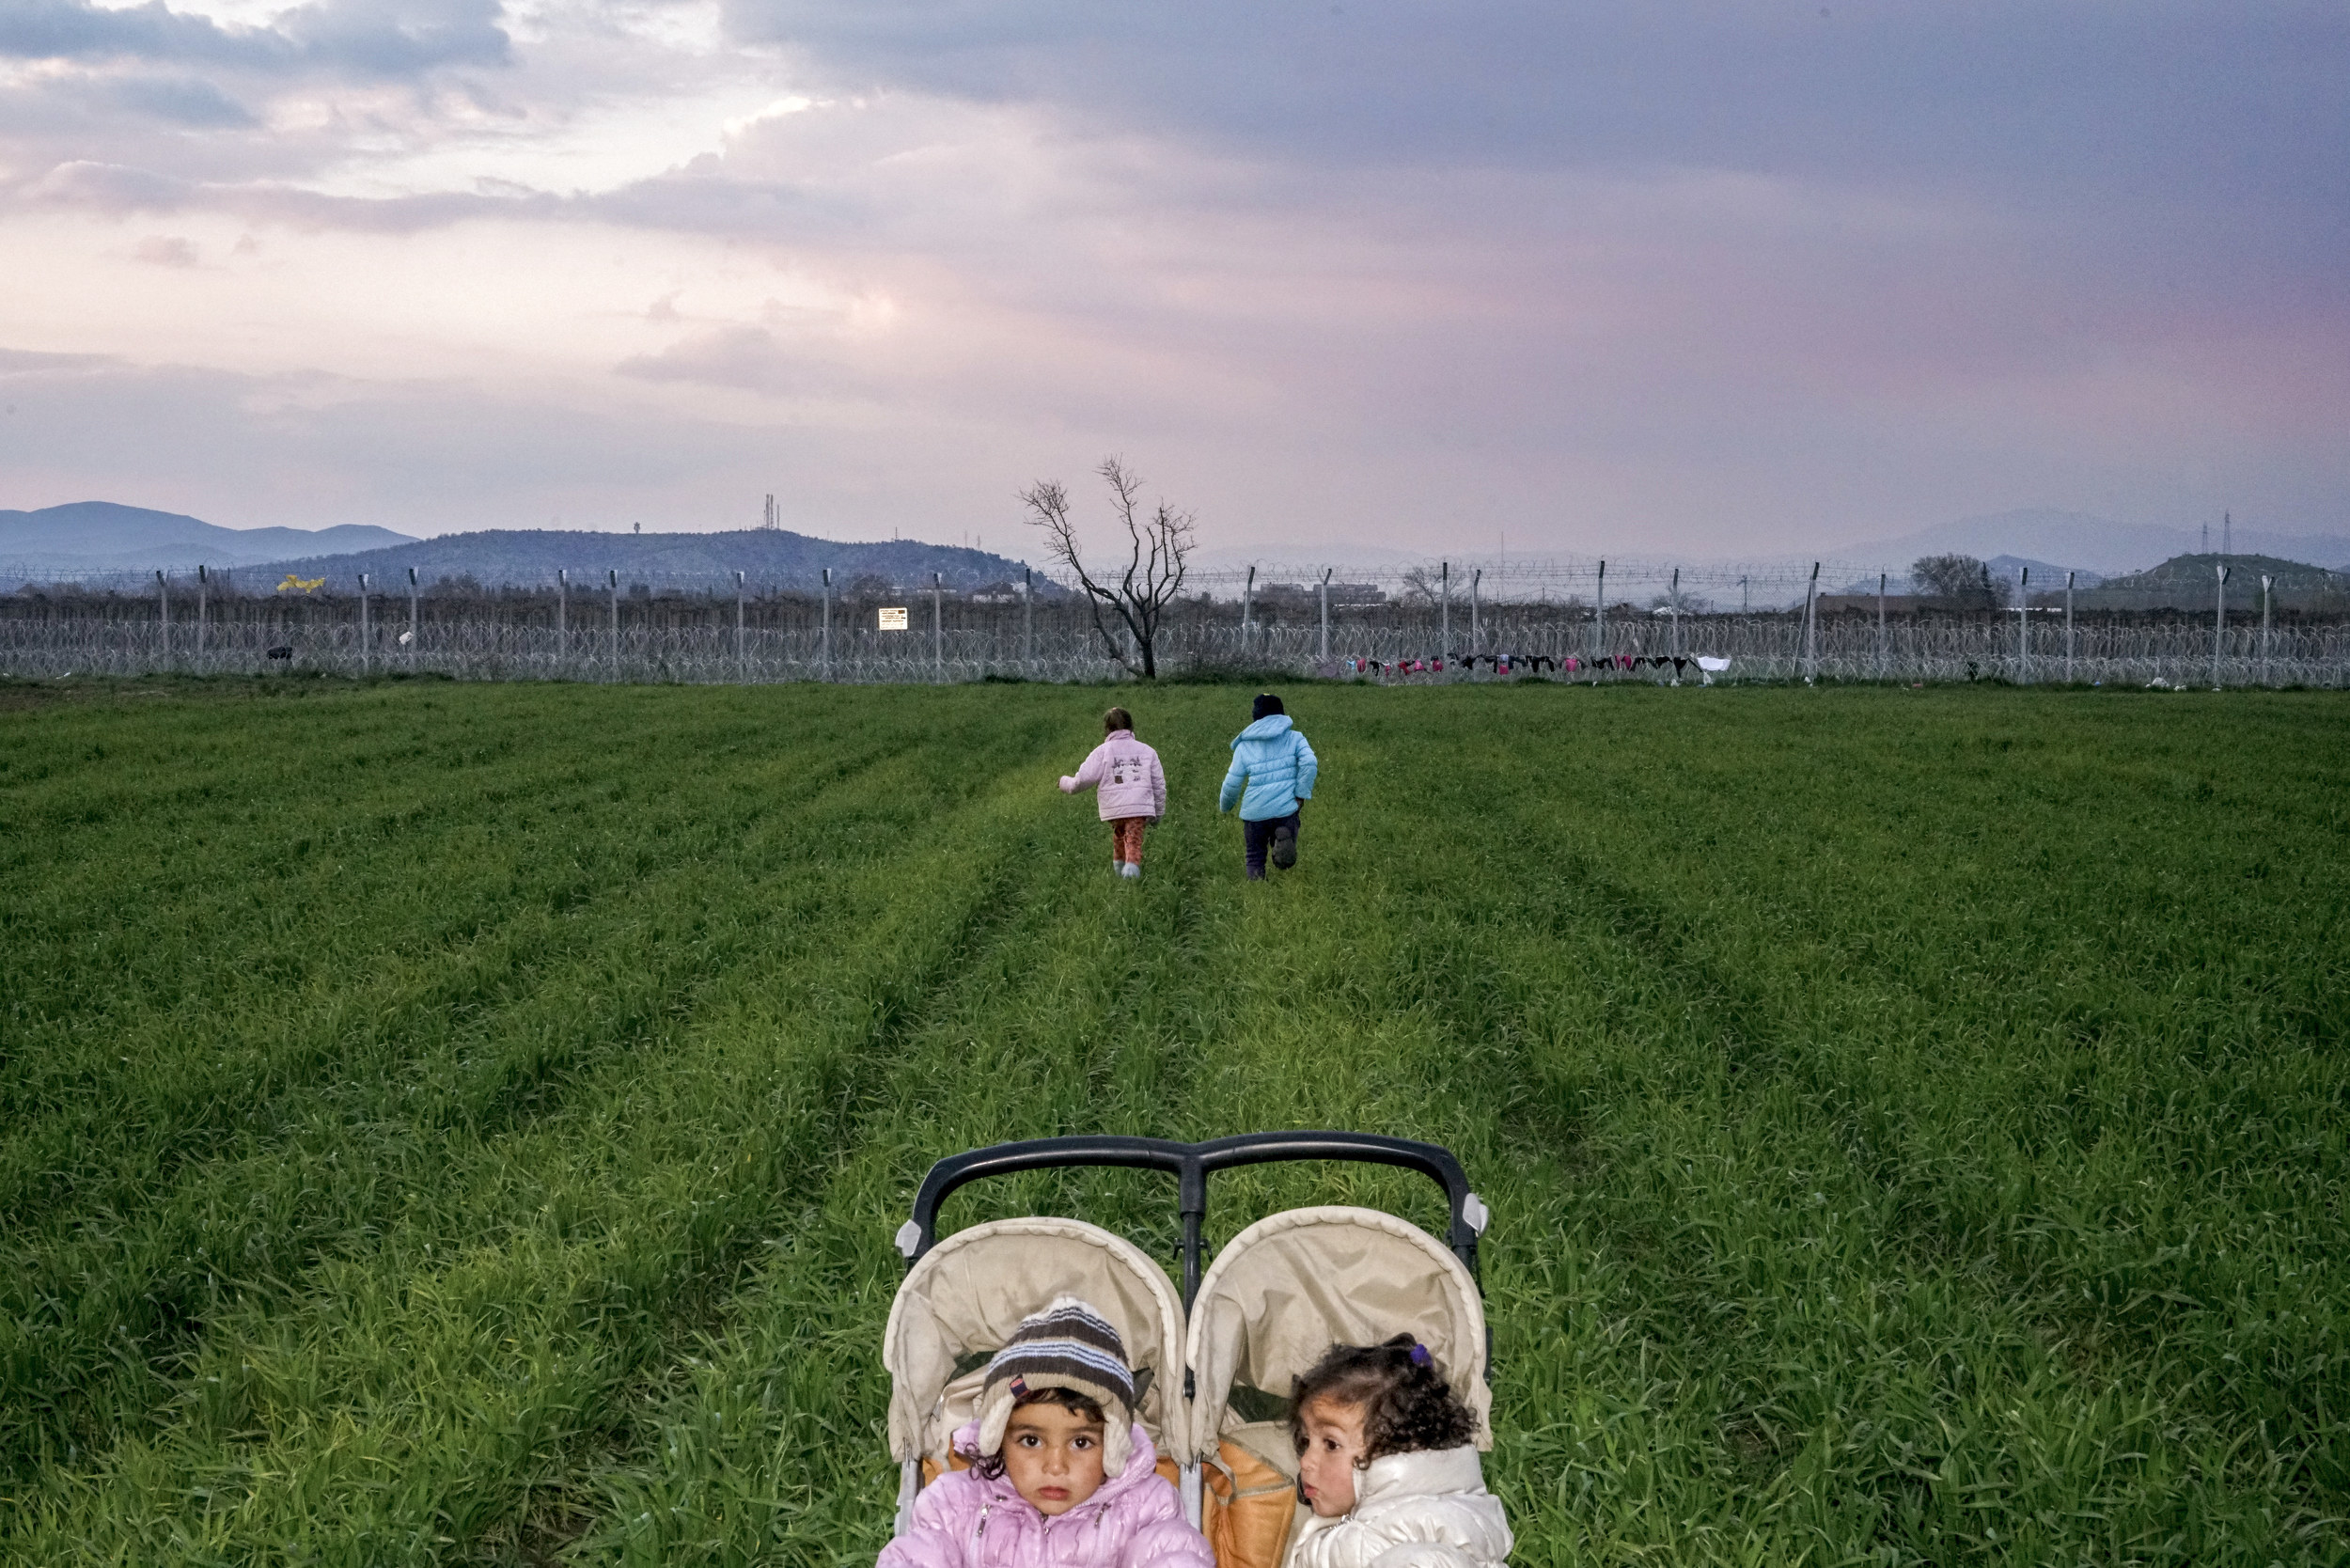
[[1214, 1363]]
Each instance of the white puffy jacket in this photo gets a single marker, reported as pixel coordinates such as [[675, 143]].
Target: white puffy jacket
[[1427, 1510]]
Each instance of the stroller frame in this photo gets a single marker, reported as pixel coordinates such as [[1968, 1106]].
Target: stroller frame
[[1190, 1164]]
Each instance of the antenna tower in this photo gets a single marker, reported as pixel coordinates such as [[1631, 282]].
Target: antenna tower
[[771, 518]]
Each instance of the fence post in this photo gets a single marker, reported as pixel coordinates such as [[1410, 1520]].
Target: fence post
[[1444, 613], [1811, 624], [741, 658], [2068, 627], [1247, 603], [612, 581], [367, 660], [2023, 625], [163, 598], [938, 631], [203, 581], [1028, 623], [1326, 614], [414, 635], [562, 632], [2264, 626], [1675, 602], [1599, 616], [1881, 670], [2218, 624], [827, 623], [1477, 581]]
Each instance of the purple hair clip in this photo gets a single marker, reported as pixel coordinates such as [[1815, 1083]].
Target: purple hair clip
[[1420, 1355]]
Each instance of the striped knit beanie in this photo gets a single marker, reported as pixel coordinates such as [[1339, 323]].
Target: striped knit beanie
[[1068, 1345]]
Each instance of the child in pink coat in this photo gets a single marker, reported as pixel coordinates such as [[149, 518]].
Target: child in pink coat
[[1061, 1475], [1132, 789]]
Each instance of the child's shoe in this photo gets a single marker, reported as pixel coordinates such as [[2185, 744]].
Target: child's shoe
[[1285, 846], [1130, 871]]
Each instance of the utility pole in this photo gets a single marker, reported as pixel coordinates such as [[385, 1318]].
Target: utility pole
[[414, 637], [1326, 613], [2227, 534]]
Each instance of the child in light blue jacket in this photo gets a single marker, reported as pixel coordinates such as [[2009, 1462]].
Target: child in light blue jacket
[[1274, 767]]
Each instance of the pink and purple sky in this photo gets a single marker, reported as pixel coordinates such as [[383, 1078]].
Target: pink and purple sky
[[1734, 278]]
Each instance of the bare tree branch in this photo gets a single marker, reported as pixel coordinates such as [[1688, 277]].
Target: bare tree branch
[[1158, 549]]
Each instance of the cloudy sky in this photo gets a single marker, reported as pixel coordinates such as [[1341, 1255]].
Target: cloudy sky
[[1744, 276]]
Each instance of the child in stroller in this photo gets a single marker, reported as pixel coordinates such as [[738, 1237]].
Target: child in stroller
[[1055, 1438]]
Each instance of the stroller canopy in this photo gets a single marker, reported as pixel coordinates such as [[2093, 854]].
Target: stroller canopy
[[1287, 1288], [966, 1294]]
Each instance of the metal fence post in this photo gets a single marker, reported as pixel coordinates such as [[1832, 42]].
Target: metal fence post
[[367, 659], [1881, 654], [2218, 624], [612, 581], [1326, 613], [2068, 627], [2265, 581], [1444, 613], [1477, 581], [1811, 624], [1599, 616], [562, 632], [938, 625], [415, 635], [827, 623], [741, 657], [1674, 600], [163, 599], [1247, 608], [2023, 625], [1028, 623]]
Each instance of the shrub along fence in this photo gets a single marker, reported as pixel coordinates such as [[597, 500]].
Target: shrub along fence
[[616, 634]]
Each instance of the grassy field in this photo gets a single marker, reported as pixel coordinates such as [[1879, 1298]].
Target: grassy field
[[466, 1124]]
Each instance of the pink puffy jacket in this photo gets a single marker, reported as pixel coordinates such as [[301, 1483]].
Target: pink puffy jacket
[[1134, 1521], [1132, 784]]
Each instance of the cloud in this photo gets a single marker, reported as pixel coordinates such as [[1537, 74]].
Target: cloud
[[164, 250], [371, 36]]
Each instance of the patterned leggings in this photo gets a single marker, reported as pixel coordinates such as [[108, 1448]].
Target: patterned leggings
[[1126, 838]]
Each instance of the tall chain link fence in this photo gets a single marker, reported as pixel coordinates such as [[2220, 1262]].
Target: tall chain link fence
[[1557, 621]]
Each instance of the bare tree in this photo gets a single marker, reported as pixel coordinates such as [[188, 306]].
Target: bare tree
[[1159, 546]]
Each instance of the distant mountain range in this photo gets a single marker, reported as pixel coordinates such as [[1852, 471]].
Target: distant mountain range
[[768, 558], [99, 539], [2052, 541], [89, 536]]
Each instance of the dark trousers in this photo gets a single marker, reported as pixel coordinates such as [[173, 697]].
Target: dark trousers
[[1257, 837]]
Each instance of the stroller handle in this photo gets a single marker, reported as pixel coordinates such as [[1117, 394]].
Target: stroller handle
[[1190, 1164]]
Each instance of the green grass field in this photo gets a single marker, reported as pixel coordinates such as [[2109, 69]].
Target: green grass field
[[466, 1124]]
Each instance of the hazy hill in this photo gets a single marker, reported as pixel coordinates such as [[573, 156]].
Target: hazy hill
[[2192, 583], [2055, 539], [102, 536], [769, 559]]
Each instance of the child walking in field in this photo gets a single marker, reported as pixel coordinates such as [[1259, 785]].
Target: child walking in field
[[1132, 789], [1388, 1463], [1276, 768], [1061, 1475]]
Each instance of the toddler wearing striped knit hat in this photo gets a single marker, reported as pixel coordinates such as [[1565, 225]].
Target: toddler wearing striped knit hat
[[1054, 1437]]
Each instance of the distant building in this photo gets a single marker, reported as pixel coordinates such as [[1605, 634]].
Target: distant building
[[1895, 604]]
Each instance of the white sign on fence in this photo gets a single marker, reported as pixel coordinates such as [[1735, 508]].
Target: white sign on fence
[[893, 617]]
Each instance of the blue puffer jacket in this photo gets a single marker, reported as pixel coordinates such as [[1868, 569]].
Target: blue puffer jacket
[[1273, 759]]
